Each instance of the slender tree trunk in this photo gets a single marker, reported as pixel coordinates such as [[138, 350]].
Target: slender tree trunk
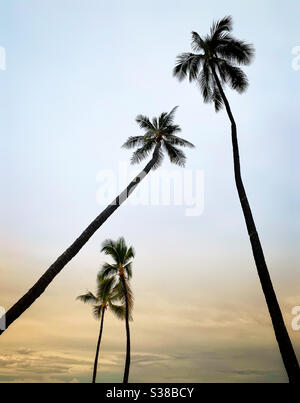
[[127, 360], [285, 345], [39, 287], [98, 346]]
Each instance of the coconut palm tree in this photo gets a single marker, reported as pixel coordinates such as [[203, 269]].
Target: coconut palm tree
[[160, 135], [105, 298], [215, 63], [121, 268]]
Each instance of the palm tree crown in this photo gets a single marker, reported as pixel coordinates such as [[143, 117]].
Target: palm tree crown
[[122, 267], [106, 297], [160, 130], [220, 52]]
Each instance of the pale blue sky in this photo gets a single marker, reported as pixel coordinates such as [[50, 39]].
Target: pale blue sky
[[78, 72]]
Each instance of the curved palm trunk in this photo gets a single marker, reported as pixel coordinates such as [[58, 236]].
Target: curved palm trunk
[[127, 360], [39, 287], [286, 348], [98, 346]]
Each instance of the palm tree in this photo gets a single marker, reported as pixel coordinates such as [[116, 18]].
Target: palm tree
[[122, 269], [106, 296], [160, 134], [215, 63]]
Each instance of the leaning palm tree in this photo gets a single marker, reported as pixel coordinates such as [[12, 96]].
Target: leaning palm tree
[[106, 297], [160, 135], [122, 269], [214, 64]]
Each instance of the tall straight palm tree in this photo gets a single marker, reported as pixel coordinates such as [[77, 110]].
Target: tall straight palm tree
[[122, 269], [105, 298], [214, 64], [160, 135]]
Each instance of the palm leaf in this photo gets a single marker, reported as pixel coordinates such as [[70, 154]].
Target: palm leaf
[[133, 142], [235, 51], [183, 63], [141, 153], [121, 249], [168, 118], [106, 271], [176, 156], [160, 158], [177, 141], [171, 129], [87, 298], [205, 83], [97, 310], [144, 122], [220, 27], [109, 248], [130, 254], [119, 290], [118, 310], [105, 288], [217, 99], [128, 270], [235, 76]]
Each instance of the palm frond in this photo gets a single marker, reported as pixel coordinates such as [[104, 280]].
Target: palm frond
[[177, 141], [198, 44], [187, 63], [129, 296], [235, 76], [104, 289], [128, 270], [121, 248], [205, 84], [106, 271], [176, 155], [220, 27], [155, 123], [162, 118], [160, 158], [172, 129], [130, 254], [109, 248], [133, 142], [119, 290], [143, 152], [217, 99], [97, 311], [118, 310], [144, 122], [235, 51], [88, 298], [167, 119]]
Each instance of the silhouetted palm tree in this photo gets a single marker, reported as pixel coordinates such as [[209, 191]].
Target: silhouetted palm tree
[[160, 134], [106, 297], [121, 268], [215, 64]]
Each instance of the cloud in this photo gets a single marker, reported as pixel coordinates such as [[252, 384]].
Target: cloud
[[32, 366]]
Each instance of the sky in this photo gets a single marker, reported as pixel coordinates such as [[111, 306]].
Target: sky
[[76, 75]]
